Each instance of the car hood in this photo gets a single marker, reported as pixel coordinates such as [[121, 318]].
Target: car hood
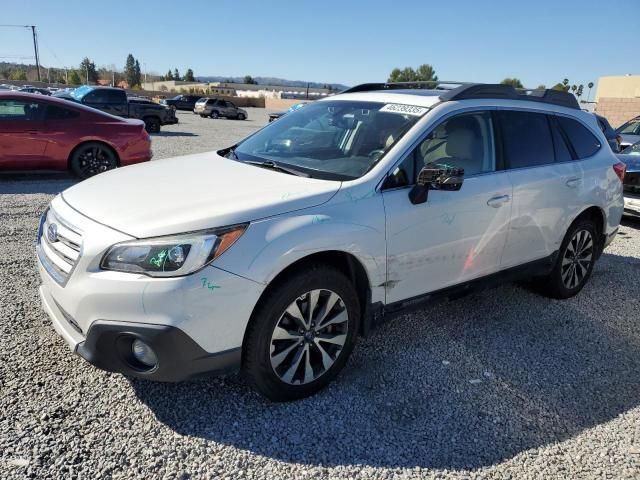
[[631, 161], [194, 192]]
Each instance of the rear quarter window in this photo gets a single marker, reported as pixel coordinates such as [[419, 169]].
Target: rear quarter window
[[584, 143]]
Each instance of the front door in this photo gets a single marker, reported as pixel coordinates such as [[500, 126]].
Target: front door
[[454, 236], [22, 134]]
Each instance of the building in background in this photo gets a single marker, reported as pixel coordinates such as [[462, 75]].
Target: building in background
[[618, 98]]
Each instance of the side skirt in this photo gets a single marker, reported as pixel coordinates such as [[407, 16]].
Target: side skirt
[[378, 313]]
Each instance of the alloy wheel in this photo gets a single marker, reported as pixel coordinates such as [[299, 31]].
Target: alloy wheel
[[309, 336], [94, 160], [577, 259]]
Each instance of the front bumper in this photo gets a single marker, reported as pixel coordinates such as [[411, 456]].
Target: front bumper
[[107, 345], [197, 322]]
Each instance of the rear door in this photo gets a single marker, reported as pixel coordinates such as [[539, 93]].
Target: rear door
[[22, 137], [546, 184]]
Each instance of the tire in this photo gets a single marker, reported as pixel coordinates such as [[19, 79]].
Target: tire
[[92, 158], [241, 116], [152, 124], [286, 375], [214, 114], [572, 271]]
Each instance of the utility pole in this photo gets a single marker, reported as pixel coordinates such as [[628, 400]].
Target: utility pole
[[35, 49]]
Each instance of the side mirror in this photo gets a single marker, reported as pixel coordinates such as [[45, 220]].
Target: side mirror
[[435, 176]]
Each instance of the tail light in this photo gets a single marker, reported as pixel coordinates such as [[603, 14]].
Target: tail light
[[620, 168]]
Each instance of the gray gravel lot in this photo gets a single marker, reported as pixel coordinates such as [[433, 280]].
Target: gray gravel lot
[[500, 384]]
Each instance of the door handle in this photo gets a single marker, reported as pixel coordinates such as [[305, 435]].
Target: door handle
[[573, 182], [498, 201]]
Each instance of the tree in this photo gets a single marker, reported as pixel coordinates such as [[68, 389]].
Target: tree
[[169, 75], [514, 82], [188, 77], [17, 74], [541, 87], [88, 70], [176, 75], [561, 87], [579, 91], [590, 85], [137, 75], [574, 87], [423, 73], [74, 78], [249, 80], [130, 70]]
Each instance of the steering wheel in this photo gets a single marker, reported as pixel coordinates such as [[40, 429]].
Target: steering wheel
[[376, 154]]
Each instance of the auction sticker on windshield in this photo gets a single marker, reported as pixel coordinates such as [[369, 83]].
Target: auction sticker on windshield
[[406, 109]]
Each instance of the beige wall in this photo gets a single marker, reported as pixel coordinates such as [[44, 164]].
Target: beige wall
[[621, 86], [280, 103], [618, 110]]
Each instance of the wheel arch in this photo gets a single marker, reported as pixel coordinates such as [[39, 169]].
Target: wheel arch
[[84, 142], [596, 214], [345, 262]]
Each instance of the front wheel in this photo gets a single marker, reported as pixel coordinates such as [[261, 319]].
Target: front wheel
[[92, 158], [214, 114], [152, 125], [575, 262], [241, 116], [302, 335]]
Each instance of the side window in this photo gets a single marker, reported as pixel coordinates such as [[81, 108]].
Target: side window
[[563, 154], [55, 112], [96, 97], [231, 105], [464, 141], [11, 110], [583, 141], [404, 174], [115, 97], [526, 139]]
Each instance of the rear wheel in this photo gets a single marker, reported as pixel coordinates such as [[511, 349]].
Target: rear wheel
[[92, 158], [575, 262], [214, 114], [152, 124], [302, 335]]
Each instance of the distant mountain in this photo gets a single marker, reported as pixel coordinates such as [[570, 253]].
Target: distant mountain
[[273, 81]]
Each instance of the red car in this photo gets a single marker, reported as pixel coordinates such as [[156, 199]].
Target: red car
[[38, 132]]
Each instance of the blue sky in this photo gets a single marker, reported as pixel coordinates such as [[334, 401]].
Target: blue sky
[[540, 42]]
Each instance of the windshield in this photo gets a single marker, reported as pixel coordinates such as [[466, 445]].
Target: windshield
[[80, 92], [338, 140]]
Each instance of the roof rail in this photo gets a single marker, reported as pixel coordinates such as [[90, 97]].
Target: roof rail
[[466, 91], [418, 85]]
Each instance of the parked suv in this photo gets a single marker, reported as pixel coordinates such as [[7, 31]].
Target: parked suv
[[215, 108], [273, 255], [629, 132], [182, 102]]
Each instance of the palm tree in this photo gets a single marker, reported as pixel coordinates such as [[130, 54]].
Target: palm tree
[[590, 85], [574, 87]]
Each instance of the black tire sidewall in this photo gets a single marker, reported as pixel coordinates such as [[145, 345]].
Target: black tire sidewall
[[75, 158], [256, 360], [152, 125], [556, 287]]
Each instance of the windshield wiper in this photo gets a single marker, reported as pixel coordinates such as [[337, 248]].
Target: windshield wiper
[[274, 166]]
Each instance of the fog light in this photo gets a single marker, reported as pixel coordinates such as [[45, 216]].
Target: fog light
[[143, 353]]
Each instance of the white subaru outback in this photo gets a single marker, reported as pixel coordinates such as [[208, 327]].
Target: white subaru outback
[[274, 255]]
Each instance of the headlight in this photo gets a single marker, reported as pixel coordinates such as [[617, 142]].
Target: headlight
[[171, 256]]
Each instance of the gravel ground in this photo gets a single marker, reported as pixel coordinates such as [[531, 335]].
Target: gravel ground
[[500, 384]]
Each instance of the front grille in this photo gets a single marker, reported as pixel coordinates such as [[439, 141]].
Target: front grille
[[59, 246]]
